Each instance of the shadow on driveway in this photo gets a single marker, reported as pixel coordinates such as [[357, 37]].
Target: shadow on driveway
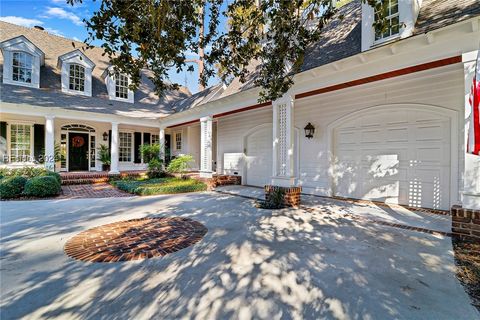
[[252, 263]]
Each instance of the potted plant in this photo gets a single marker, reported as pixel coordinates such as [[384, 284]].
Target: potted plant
[[104, 157]]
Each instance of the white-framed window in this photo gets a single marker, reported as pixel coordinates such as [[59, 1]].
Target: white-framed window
[[21, 62], [63, 151], [155, 138], [21, 142], [22, 67], [125, 146], [392, 17], [77, 71], [76, 78], [178, 141], [118, 86], [121, 86], [93, 153]]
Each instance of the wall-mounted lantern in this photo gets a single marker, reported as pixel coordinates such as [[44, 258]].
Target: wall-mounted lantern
[[309, 131], [105, 136]]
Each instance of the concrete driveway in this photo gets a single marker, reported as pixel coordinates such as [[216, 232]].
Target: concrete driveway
[[251, 264]]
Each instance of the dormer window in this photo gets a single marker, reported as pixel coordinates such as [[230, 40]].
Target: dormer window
[[118, 86], [77, 78], [22, 67], [392, 19], [22, 61], [77, 71], [121, 86]]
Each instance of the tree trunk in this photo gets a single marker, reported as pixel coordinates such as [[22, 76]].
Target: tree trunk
[[201, 49]]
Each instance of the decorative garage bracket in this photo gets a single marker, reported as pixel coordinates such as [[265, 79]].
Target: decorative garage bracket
[[283, 141], [206, 127]]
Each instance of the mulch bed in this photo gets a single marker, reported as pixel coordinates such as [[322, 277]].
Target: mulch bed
[[467, 258]]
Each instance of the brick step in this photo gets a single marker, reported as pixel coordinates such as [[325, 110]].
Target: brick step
[[94, 177], [69, 182]]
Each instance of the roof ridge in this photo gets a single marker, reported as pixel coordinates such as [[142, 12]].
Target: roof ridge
[[45, 31]]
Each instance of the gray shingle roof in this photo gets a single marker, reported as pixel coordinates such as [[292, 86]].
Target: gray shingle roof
[[199, 98], [342, 38], [147, 103], [436, 14]]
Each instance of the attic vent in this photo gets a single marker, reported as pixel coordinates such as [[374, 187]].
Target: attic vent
[[39, 28]]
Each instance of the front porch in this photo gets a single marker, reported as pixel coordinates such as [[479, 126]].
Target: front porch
[[64, 144]]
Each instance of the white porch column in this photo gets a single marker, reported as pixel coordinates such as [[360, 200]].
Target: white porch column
[[283, 142], [114, 150], [206, 128], [470, 195], [50, 142], [162, 144]]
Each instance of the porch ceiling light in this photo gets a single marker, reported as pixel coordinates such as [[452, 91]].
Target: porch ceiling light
[[309, 131], [105, 136]]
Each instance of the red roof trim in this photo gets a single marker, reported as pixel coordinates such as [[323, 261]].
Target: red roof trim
[[382, 76], [184, 123], [358, 82]]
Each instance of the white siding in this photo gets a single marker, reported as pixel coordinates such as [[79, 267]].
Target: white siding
[[193, 145], [440, 87], [232, 130]]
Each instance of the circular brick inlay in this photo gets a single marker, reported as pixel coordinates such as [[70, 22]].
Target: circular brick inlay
[[135, 239]]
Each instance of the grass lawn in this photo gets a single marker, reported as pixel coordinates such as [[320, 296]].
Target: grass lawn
[[160, 186]]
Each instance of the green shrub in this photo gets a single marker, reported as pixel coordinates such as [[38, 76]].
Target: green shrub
[[180, 164], [12, 187], [44, 186], [56, 175], [155, 169], [161, 186], [275, 200], [27, 172], [150, 152]]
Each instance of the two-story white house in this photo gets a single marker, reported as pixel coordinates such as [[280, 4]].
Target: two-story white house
[[372, 115]]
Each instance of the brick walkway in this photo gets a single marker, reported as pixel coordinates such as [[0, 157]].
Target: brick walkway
[[135, 239], [99, 190]]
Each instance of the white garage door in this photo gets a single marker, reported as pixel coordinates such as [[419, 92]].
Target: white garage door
[[259, 157], [398, 157]]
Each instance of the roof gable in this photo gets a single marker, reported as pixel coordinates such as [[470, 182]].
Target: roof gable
[[147, 102], [75, 56], [21, 43]]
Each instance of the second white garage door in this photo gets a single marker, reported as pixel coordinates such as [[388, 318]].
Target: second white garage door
[[398, 157]]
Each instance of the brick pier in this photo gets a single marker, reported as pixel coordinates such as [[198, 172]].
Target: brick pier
[[466, 223], [291, 195]]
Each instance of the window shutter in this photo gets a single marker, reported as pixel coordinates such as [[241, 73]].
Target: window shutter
[[110, 140], [137, 143], [3, 142], [146, 138], [39, 142]]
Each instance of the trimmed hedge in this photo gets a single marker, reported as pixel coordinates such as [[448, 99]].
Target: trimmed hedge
[[12, 187], [27, 172], [56, 175], [160, 186], [44, 186]]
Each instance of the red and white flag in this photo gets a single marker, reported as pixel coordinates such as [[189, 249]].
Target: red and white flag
[[473, 142]]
